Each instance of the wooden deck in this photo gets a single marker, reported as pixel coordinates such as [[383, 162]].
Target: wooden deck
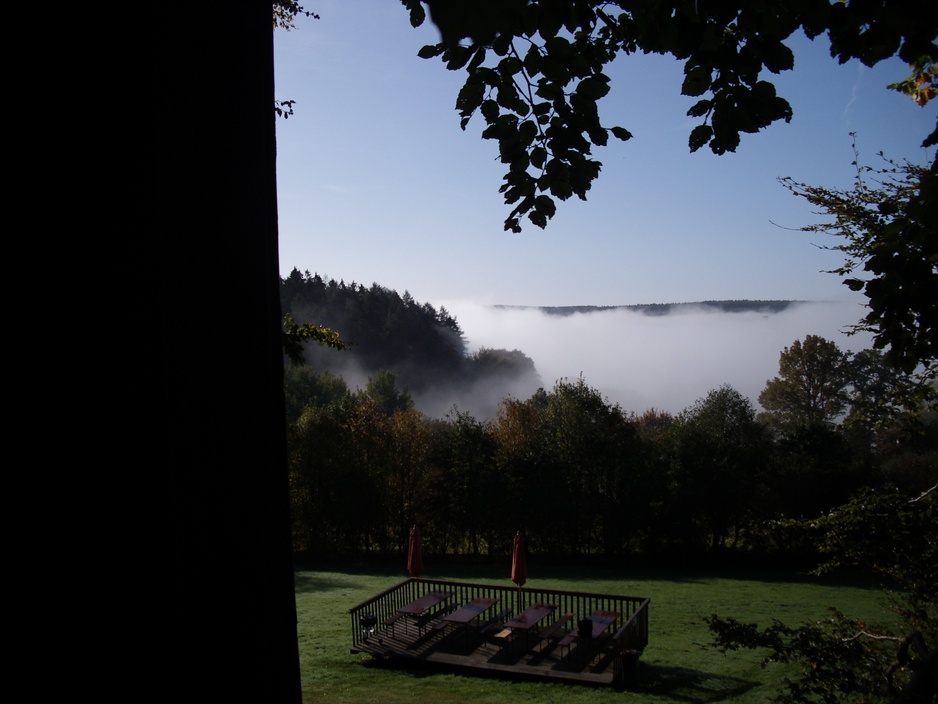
[[551, 650]]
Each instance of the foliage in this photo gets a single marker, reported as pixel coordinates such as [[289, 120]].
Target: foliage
[[419, 343], [286, 11], [922, 84], [819, 385], [845, 658], [284, 108], [810, 389], [888, 228], [882, 396], [382, 390], [720, 453], [295, 336], [534, 72], [839, 659], [325, 481], [472, 493], [489, 362], [590, 450], [304, 386], [567, 466], [893, 535]]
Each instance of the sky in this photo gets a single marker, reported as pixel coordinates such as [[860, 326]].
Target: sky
[[377, 183]]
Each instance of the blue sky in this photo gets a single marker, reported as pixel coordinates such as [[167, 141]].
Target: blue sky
[[377, 183]]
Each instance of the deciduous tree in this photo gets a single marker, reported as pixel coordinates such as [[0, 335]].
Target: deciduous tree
[[811, 386], [382, 390], [720, 454]]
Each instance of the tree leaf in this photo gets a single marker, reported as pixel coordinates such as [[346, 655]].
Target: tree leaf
[[594, 87], [430, 51], [699, 136], [700, 108], [456, 57], [777, 57], [697, 81]]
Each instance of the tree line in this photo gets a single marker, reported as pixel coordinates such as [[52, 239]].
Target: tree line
[[582, 477]]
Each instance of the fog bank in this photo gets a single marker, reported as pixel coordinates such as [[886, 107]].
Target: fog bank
[[658, 361]]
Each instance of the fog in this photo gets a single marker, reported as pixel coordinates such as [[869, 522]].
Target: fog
[[665, 362]]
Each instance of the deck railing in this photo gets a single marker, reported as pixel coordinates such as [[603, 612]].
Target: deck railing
[[630, 630]]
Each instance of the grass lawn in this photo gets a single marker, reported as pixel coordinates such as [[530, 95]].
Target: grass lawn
[[674, 667]]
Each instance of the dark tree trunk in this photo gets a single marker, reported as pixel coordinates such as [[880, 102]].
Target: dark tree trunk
[[231, 626]]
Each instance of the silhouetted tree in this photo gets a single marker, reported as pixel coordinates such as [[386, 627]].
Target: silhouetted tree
[[888, 232], [720, 456], [811, 386]]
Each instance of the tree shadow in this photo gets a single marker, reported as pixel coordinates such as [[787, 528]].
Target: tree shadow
[[481, 569], [677, 684], [684, 684], [310, 582]]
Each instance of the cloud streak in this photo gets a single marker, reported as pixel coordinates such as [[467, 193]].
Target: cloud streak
[[665, 362]]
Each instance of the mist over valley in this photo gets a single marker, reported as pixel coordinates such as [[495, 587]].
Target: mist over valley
[[663, 356], [472, 356]]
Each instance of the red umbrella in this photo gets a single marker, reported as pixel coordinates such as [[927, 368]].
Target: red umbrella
[[519, 564], [415, 553]]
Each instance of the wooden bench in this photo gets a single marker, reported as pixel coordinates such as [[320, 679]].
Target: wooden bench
[[546, 633], [445, 611], [574, 636], [423, 619], [496, 621], [568, 640]]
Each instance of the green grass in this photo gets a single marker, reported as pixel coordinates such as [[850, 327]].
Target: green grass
[[674, 668]]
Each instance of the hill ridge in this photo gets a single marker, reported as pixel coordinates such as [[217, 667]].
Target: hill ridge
[[725, 306]]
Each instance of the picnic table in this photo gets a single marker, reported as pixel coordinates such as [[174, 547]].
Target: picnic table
[[467, 613], [530, 617], [601, 620], [526, 620], [419, 609], [420, 606]]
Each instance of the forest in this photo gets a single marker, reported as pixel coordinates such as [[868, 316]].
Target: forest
[[422, 346], [721, 480]]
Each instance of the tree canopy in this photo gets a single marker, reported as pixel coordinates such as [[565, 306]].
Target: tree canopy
[[810, 389]]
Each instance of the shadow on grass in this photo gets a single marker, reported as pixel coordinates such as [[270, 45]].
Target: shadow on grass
[[309, 582], [683, 684], [470, 569], [677, 684]]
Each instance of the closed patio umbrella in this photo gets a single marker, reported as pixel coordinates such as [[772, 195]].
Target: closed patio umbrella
[[519, 565], [415, 553]]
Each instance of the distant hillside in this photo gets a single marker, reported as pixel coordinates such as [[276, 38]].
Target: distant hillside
[[665, 308], [424, 347]]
